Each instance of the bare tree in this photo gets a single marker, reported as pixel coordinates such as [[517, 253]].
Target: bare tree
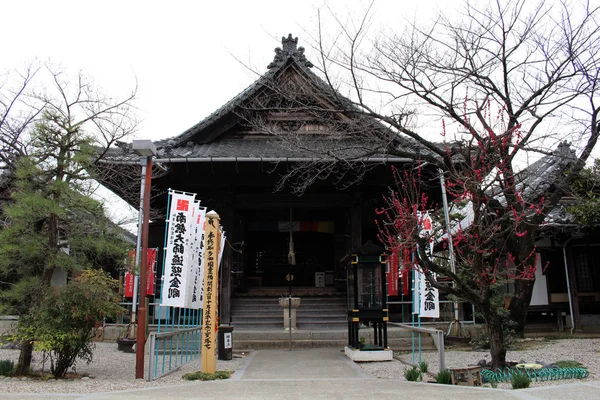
[[72, 132], [18, 111], [503, 82]]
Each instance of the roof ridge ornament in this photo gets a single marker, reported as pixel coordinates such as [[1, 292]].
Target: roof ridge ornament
[[289, 50]]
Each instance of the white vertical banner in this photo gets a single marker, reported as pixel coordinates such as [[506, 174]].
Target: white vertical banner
[[178, 250], [191, 258], [429, 299], [221, 247], [198, 275]]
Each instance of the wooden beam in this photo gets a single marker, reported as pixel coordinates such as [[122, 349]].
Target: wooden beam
[[262, 201]]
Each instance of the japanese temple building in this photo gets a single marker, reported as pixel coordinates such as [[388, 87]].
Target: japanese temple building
[[233, 166], [234, 159]]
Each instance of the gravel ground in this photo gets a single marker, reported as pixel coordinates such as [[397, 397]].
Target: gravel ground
[[115, 370], [585, 351], [110, 370]]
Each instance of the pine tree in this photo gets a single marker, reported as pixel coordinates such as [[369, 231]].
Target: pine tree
[[52, 222]]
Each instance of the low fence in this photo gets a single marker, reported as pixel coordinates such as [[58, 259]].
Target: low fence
[[436, 334], [176, 341], [169, 351]]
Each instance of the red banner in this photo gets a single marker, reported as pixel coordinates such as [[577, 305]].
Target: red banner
[[392, 275], [406, 281], [130, 278], [150, 259]]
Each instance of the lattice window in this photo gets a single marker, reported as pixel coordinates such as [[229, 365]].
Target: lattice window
[[583, 271]]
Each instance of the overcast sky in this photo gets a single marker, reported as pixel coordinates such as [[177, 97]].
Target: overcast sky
[[189, 57]]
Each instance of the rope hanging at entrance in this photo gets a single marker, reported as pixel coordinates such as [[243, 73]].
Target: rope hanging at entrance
[[291, 252]]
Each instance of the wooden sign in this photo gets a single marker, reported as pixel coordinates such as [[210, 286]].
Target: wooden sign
[[211, 287]]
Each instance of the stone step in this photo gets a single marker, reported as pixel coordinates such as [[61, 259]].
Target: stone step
[[341, 333], [298, 291], [319, 313], [255, 318], [394, 344], [399, 340], [275, 305], [278, 310], [299, 312]]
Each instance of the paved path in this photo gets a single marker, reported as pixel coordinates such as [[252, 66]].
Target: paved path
[[299, 364], [321, 374]]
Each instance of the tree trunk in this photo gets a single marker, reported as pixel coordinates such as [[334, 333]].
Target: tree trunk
[[25, 357], [496, 336], [63, 363], [520, 304]]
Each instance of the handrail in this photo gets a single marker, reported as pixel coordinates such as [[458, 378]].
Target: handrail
[[190, 349], [173, 333], [436, 334]]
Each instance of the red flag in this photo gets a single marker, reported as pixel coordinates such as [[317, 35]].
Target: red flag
[[150, 259], [129, 279], [405, 281]]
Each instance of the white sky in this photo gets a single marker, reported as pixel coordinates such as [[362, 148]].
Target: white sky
[[189, 57], [184, 53]]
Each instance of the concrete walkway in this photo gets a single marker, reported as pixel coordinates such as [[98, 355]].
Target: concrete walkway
[[299, 364], [321, 374]]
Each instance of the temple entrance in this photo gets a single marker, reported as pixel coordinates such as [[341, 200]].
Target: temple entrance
[[268, 259], [316, 249]]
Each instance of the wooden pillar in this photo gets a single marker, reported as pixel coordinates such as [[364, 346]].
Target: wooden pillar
[[573, 284], [227, 219], [225, 289]]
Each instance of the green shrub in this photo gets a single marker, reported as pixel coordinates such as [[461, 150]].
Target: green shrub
[[569, 364], [413, 374], [444, 377], [6, 367], [424, 366], [65, 322], [520, 380], [201, 376]]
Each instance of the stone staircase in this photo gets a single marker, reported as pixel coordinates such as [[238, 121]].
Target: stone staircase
[[321, 322], [248, 340], [264, 313]]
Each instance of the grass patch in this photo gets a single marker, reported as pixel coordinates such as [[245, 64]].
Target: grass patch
[[424, 366], [444, 377], [201, 376], [569, 364], [520, 381], [6, 367], [413, 374]]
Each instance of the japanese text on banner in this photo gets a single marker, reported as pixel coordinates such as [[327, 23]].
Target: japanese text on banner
[[429, 301], [178, 250]]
